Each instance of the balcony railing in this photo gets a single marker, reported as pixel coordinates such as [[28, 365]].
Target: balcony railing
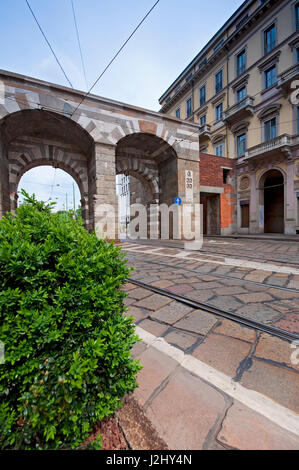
[[283, 142], [205, 130], [242, 107], [286, 78]]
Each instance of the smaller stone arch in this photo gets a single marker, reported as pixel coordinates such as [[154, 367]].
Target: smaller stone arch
[[272, 197], [137, 168]]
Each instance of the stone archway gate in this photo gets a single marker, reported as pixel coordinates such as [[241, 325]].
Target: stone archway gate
[[39, 125]]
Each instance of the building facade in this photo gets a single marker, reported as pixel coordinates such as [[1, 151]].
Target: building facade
[[94, 139], [242, 91]]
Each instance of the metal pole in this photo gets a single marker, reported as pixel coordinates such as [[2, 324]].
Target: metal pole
[[74, 197]]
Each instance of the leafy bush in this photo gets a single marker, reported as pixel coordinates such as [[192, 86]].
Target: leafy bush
[[67, 342]]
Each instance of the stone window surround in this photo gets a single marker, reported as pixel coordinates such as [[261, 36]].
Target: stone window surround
[[294, 45], [293, 6], [237, 91], [272, 22], [199, 119], [199, 88], [243, 48], [218, 140], [218, 144], [266, 65], [203, 148], [239, 129], [244, 132], [215, 74], [215, 111], [269, 112], [186, 101], [202, 112]]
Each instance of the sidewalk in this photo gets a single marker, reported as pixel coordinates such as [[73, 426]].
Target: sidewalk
[[258, 236], [219, 386], [193, 406]]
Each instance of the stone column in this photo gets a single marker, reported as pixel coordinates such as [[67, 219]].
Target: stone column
[[255, 211], [4, 181], [188, 191], [104, 198], [290, 207]]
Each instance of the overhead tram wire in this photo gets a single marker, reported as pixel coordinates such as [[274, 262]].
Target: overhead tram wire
[[114, 57], [79, 43], [51, 48]]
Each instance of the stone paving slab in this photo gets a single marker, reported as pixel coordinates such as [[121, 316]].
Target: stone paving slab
[[186, 411], [156, 368], [171, 313], [223, 353], [198, 321], [205, 416], [244, 429], [279, 383], [233, 330]]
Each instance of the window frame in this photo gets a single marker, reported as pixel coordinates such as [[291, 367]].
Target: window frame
[[178, 113], [217, 146], [242, 51], [269, 119], [243, 87], [220, 71], [201, 117], [191, 107], [295, 6], [216, 107], [274, 25], [273, 66], [238, 136], [205, 95]]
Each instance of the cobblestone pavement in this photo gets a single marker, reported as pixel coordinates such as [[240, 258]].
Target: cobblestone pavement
[[265, 296], [207, 382]]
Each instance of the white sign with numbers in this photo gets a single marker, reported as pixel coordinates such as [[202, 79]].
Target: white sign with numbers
[[189, 185]]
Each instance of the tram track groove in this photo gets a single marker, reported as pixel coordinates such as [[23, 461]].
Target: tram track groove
[[240, 319]]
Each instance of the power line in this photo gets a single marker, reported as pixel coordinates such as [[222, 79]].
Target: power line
[[51, 48], [114, 57], [79, 43]]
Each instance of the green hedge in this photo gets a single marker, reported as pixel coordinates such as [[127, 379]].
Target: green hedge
[[67, 343]]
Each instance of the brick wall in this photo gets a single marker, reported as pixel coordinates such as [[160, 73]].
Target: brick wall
[[211, 174]]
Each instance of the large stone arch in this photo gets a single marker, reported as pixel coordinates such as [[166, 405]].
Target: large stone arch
[[34, 138], [92, 138]]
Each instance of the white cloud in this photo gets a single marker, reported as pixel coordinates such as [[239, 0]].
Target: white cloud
[[46, 182]]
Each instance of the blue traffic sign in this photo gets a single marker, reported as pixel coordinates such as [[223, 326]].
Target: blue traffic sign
[[178, 201]]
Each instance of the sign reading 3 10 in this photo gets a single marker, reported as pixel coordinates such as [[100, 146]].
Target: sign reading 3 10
[[189, 185]]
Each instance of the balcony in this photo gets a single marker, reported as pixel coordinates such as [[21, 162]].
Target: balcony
[[240, 110], [286, 78], [205, 131], [281, 144]]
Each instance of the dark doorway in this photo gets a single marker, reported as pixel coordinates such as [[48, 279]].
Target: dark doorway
[[244, 215], [211, 213], [274, 202]]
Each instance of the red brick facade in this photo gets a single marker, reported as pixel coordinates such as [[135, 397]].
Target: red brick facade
[[214, 171]]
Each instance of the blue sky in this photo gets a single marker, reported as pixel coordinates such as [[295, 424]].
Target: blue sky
[[164, 45]]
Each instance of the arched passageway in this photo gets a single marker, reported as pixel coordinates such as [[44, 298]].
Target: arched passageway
[[51, 185], [34, 138], [151, 164], [273, 187]]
